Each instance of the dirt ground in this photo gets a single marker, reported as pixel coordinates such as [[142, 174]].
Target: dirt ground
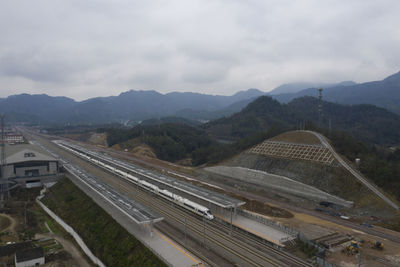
[[14, 228], [6, 223], [297, 137], [8, 232], [314, 227], [69, 247]]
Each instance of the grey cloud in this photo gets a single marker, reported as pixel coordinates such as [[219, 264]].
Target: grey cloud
[[90, 48]]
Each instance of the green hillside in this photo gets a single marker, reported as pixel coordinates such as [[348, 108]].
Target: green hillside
[[365, 122], [108, 240], [261, 119]]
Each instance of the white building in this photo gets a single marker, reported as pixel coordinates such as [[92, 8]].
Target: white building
[[30, 257], [13, 138], [29, 165]]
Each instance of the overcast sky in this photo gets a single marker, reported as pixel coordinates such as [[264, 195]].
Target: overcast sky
[[84, 48]]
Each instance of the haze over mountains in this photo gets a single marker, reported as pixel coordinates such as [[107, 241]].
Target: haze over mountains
[[385, 93], [290, 88], [130, 105], [141, 105]]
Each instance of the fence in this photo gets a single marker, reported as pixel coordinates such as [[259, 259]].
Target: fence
[[320, 259], [323, 263], [265, 221]]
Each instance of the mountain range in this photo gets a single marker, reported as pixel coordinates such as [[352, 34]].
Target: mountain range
[[131, 105], [385, 93], [290, 88], [142, 105]]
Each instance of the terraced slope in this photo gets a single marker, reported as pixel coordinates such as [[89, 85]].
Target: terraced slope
[[302, 157]]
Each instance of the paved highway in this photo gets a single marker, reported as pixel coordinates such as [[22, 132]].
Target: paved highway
[[352, 171]]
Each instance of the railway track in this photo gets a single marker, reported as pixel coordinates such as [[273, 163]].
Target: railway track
[[241, 236], [217, 234], [223, 230], [174, 214]]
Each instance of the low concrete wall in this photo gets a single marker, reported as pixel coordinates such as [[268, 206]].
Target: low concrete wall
[[277, 182], [71, 231]]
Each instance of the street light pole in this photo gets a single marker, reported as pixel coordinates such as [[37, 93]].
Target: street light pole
[[230, 231], [204, 230], [185, 232]]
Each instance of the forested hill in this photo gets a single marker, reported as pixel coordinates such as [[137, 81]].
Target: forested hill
[[384, 93], [261, 119], [366, 122], [128, 106]]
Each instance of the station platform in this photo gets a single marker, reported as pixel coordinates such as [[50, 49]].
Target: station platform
[[172, 253], [266, 232]]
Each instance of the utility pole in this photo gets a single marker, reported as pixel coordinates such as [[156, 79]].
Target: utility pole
[[185, 232], [230, 230], [204, 230], [330, 127]]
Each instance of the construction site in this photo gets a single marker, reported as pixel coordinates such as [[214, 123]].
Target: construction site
[[296, 171]]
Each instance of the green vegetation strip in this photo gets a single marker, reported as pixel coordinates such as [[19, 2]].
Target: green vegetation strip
[[109, 241]]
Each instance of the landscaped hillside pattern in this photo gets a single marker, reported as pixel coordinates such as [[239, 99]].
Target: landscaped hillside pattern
[[330, 178], [316, 153]]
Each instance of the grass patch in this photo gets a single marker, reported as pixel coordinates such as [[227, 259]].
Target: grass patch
[[109, 241], [55, 227]]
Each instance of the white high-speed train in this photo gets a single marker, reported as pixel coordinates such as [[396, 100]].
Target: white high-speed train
[[183, 202]]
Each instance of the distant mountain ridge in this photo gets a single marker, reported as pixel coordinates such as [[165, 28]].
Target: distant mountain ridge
[[367, 122], [290, 88], [142, 105], [385, 93], [130, 105]]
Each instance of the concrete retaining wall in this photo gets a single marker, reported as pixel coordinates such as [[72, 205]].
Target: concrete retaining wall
[[277, 182], [72, 232]]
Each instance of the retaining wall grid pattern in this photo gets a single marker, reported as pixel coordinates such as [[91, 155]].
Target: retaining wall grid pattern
[[316, 153]]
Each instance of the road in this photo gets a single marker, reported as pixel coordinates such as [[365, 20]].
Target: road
[[68, 246], [352, 171]]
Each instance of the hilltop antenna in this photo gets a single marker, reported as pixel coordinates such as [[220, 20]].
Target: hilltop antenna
[[320, 107], [3, 180], [3, 152]]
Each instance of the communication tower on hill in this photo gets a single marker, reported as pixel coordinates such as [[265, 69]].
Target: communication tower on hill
[[319, 107], [3, 179], [3, 152]]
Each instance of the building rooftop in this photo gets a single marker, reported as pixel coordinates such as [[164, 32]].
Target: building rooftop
[[29, 254], [26, 152], [12, 248]]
